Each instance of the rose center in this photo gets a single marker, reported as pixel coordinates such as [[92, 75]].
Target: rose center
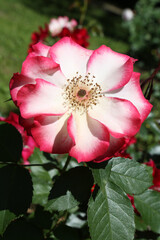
[[81, 93]]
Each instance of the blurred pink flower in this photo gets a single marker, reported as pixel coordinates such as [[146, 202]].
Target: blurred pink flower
[[78, 101], [56, 25]]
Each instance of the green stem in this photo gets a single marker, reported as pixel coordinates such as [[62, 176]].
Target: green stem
[[66, 164], [83, 12], [31, 165]]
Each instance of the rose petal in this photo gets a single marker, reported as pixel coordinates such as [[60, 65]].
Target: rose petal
[[115, 146], [39, 67], [133, 93], [71, 57], [50, 133], [91, 137], [120, 116], [40, 98], [111, 70], [40, 49], [17, 81]]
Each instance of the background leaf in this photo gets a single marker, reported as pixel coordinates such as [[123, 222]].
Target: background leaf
[[62, 203], [140, 224], [21, 229], [42, 179], [78, 181], [130, 175], [5, 218], [10, 143], [15, 189], [148, 204]]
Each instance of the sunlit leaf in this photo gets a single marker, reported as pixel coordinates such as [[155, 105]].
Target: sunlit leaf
[[130, 175]]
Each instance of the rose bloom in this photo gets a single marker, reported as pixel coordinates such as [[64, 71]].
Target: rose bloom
[[79, 101], [28, 142], [57, 24]]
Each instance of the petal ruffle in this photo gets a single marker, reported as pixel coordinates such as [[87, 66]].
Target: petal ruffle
[[17, 81], [40, 49], [39, 67], [91, 137], [115, 147], [70, 56], [111, 70], [40, 98], [50, 133], [120, 116], [133, 93]]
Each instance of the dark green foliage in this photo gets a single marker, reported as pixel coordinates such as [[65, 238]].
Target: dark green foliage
[[77, 180], [21, 229], [144, 32], [15, 189], [10, 143]]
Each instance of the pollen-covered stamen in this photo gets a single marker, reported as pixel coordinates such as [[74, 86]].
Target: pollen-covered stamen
[[81, 93]]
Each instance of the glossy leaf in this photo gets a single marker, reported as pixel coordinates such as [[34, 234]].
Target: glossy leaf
[[10, 143], [130, 175], [15, 189], [148, 204], [110, 213]]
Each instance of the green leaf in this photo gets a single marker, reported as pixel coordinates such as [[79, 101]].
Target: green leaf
[[62, 203], [38, 157], [130, 175], [10, 143], [140, 224], [110, 214], [78, 181], [5, 218], [42, 179], [148, 204], [15, 189], [21, 229]]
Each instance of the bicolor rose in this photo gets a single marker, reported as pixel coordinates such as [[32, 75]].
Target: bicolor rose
[[28, 142], [79, 101]]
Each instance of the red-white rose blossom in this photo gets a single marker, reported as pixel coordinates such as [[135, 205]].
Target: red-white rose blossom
[[79, 101], [28, 142], [57, 24]]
